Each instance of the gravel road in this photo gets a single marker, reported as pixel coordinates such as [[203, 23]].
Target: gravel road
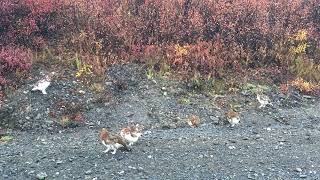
[[278, 142]]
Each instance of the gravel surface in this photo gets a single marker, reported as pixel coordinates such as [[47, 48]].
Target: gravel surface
[[278, 142]]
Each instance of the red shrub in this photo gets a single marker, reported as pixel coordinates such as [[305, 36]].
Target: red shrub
[[12, 59], [220, 35]]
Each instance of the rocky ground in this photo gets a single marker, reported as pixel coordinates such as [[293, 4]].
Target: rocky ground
[[276, 142]]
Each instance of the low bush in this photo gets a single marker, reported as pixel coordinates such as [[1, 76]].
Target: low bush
[[210, 37], [13, 59]]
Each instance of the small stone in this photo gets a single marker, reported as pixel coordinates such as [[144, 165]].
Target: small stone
[[82, 92], [268, 129], [109, 83], [298, 169], [42, 175], [231, 147], [59, 162], [165, 93], [163, 88], [307, 97], [121, 172], [88, 172], [215, 120], [149, 156], [201, 156], [215, 143], [303, 176], [38, 116], [130, 167], [250, 176]]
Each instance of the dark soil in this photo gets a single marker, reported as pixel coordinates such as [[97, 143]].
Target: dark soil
[[277, 142]]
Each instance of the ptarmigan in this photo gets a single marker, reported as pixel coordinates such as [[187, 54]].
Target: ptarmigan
[[43, 84], [233, 118], [112, 141], [131, 133]]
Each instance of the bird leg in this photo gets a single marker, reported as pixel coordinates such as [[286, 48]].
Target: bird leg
[[114, 150], [107, 150]]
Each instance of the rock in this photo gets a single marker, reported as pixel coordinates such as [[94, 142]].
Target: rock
[[38, 117], [88, 172], [215, 120], [298, 169], [245, 93], [303, 176], [131, 167], [109, 83], [250, 176], [59, 162], [41, 175], [216, 143], [307, 97]]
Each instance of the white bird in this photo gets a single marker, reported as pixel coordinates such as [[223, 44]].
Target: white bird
[[233, 118], [263, 100], [112, 141], [131, 133], [43, 84]]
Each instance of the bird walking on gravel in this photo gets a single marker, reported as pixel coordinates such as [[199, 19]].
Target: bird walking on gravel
[[131, 133], [112, 141], [194, 121], [263, 99], [233, 118], [43, 84]]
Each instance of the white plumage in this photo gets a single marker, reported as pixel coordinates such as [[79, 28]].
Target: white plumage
[[263, 100], [234, 120], [131, 138], [131, 134], [112, 147], [43, 84]]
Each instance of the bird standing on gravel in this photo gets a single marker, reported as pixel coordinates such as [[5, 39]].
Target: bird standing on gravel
[[131, 133], [233, 118], [112, 141], [194, 121], [263, 99], [43, 84]]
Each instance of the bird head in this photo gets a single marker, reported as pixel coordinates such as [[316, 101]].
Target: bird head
[[194, 121], [104, 134], [231, 114]]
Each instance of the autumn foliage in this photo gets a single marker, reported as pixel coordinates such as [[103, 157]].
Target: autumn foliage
[[208, 36]]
